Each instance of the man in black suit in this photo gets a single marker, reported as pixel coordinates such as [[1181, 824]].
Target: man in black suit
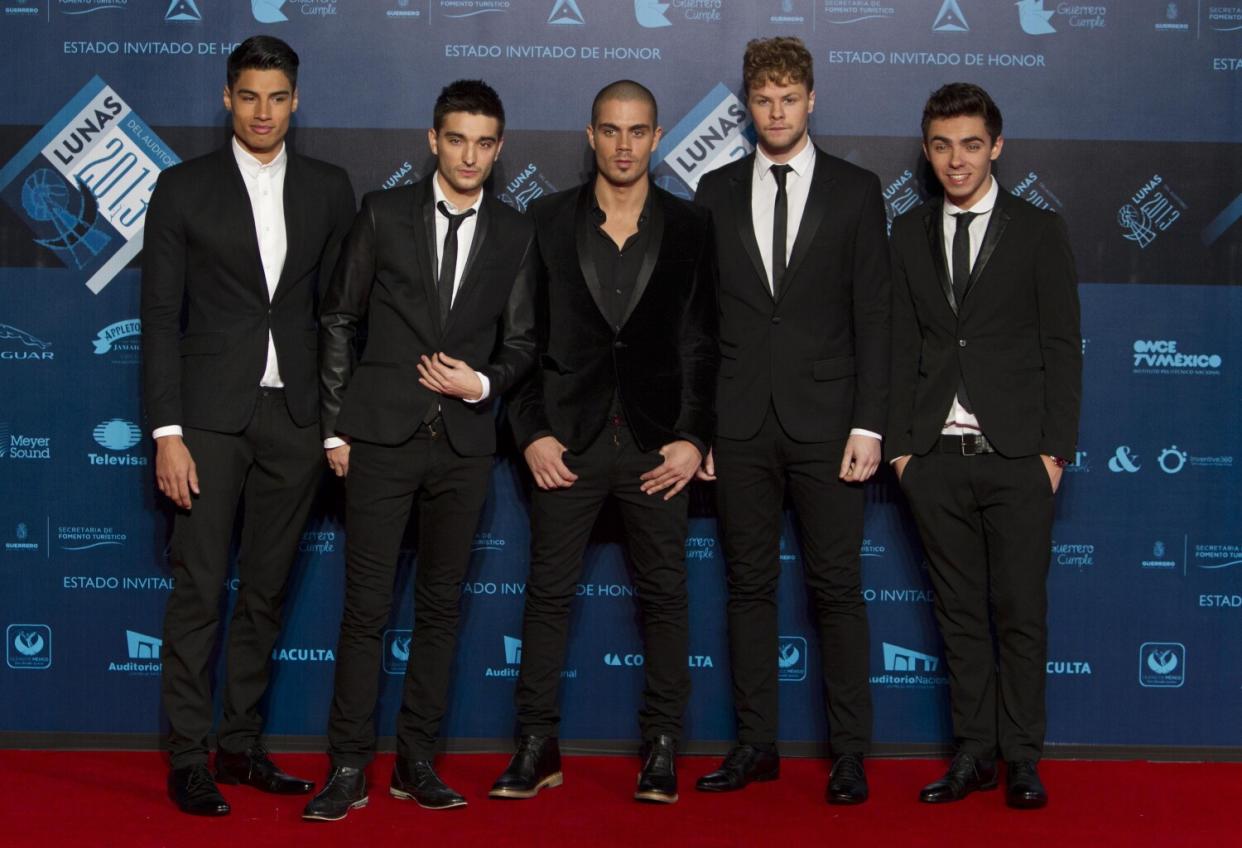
[[239, 242], [442, 272], [803, 390], [986, 389], [620, 405]]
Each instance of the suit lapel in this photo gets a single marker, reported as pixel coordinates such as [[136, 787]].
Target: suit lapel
[[249, 242], [991, 238], [468, 276], [812, 216], [655, 236], [294, 202], [740, 186], [934, 224], [582, 234], [425, 234]]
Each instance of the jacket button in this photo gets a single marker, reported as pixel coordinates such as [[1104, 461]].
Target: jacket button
[[776, 319], [961, 343], [619, 345]]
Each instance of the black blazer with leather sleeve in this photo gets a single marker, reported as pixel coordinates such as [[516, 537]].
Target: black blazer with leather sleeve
[[664, 359], [1014, 339], [819, 350], [205, 306], [387, 274]]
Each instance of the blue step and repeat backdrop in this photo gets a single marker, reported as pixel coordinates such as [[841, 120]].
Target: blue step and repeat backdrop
[[1125, 117]]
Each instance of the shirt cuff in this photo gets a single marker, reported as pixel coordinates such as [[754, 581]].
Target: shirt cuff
[[487, 388], [694, 440], [859, 431], [169, 430], [333, 442]]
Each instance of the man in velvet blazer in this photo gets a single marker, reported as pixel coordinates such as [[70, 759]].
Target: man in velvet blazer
[[442, 272], [803, 394], [238, 246], [986, 389], [621, 405]]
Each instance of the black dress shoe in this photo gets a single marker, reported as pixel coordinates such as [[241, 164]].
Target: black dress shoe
[[848, 782], [1023, 788], [344, 790], [415, 780], [195, 792], [255, 768], [966, 774], [537, 764], [742, 765], [657, 781]]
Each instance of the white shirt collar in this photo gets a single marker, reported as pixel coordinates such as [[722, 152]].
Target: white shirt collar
[[439, 195], [251, 167], [800, 163], [983, 207]]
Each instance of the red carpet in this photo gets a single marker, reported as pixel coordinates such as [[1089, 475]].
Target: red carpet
[[117, 799]]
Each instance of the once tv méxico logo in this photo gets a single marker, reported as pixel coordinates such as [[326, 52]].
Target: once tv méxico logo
[[1162, 356], [28, 647], [1162, 665]]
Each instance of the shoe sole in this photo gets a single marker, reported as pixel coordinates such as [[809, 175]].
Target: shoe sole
[[357, 805], [987, 787], [1026, 803], [846, 800], [656, 797], [767, 777], [402, 795], [518, 794]]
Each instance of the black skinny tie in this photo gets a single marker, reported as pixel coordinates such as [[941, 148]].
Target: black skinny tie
[[780, 223], [961, 276], [448, 259]]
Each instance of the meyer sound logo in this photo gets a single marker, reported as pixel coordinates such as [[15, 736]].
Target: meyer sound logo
[[120, 343], [1222, 18], [86, 7], [20, 346], [397, 650], [715, 132], [791, 659], [143, 652], [566, 13], [82, 184], [1162, 665], [950, 18], [528, 185], [908, 668], [1171, 18], [28, 647], [1161, 356], [1152, 209], [183, 11], [22, 447], [1218, 557]]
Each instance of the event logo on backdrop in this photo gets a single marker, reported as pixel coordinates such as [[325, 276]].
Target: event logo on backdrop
[[16, 345], [28, 647], [566, 13], [1222, 17], [715, 132], [183, 11], [906, 668], [21, 542], [120, 343], [397, 650], [1162, 665], [1152, 209], [142, 655], [82, 184], [791, 659], [950, 18], [23, 446]]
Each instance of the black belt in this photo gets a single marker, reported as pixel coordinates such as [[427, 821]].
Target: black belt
[[968, 444]]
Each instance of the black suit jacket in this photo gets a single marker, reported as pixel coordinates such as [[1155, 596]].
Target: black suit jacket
[[387, 274], [663, 361], [1014, 339], [818, 352], [205, 306]]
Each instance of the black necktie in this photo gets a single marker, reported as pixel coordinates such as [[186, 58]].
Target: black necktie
[[448, 259], [780, 223], [961, 276]]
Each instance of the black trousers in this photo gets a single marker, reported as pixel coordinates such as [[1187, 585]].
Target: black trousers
[[752, 478], [986, 525], [655, 533], [384, 484], [273, 467]]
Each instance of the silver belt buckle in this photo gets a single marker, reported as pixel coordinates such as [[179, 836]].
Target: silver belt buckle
[[973, 442]]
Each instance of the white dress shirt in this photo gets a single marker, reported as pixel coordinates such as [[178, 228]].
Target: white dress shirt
[[958, 421], [265, 185], [763, 208]]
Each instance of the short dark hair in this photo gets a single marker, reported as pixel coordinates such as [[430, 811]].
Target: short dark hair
[[782, 60], [263, 53], [625, 90], [959, 99], [473, 96]]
